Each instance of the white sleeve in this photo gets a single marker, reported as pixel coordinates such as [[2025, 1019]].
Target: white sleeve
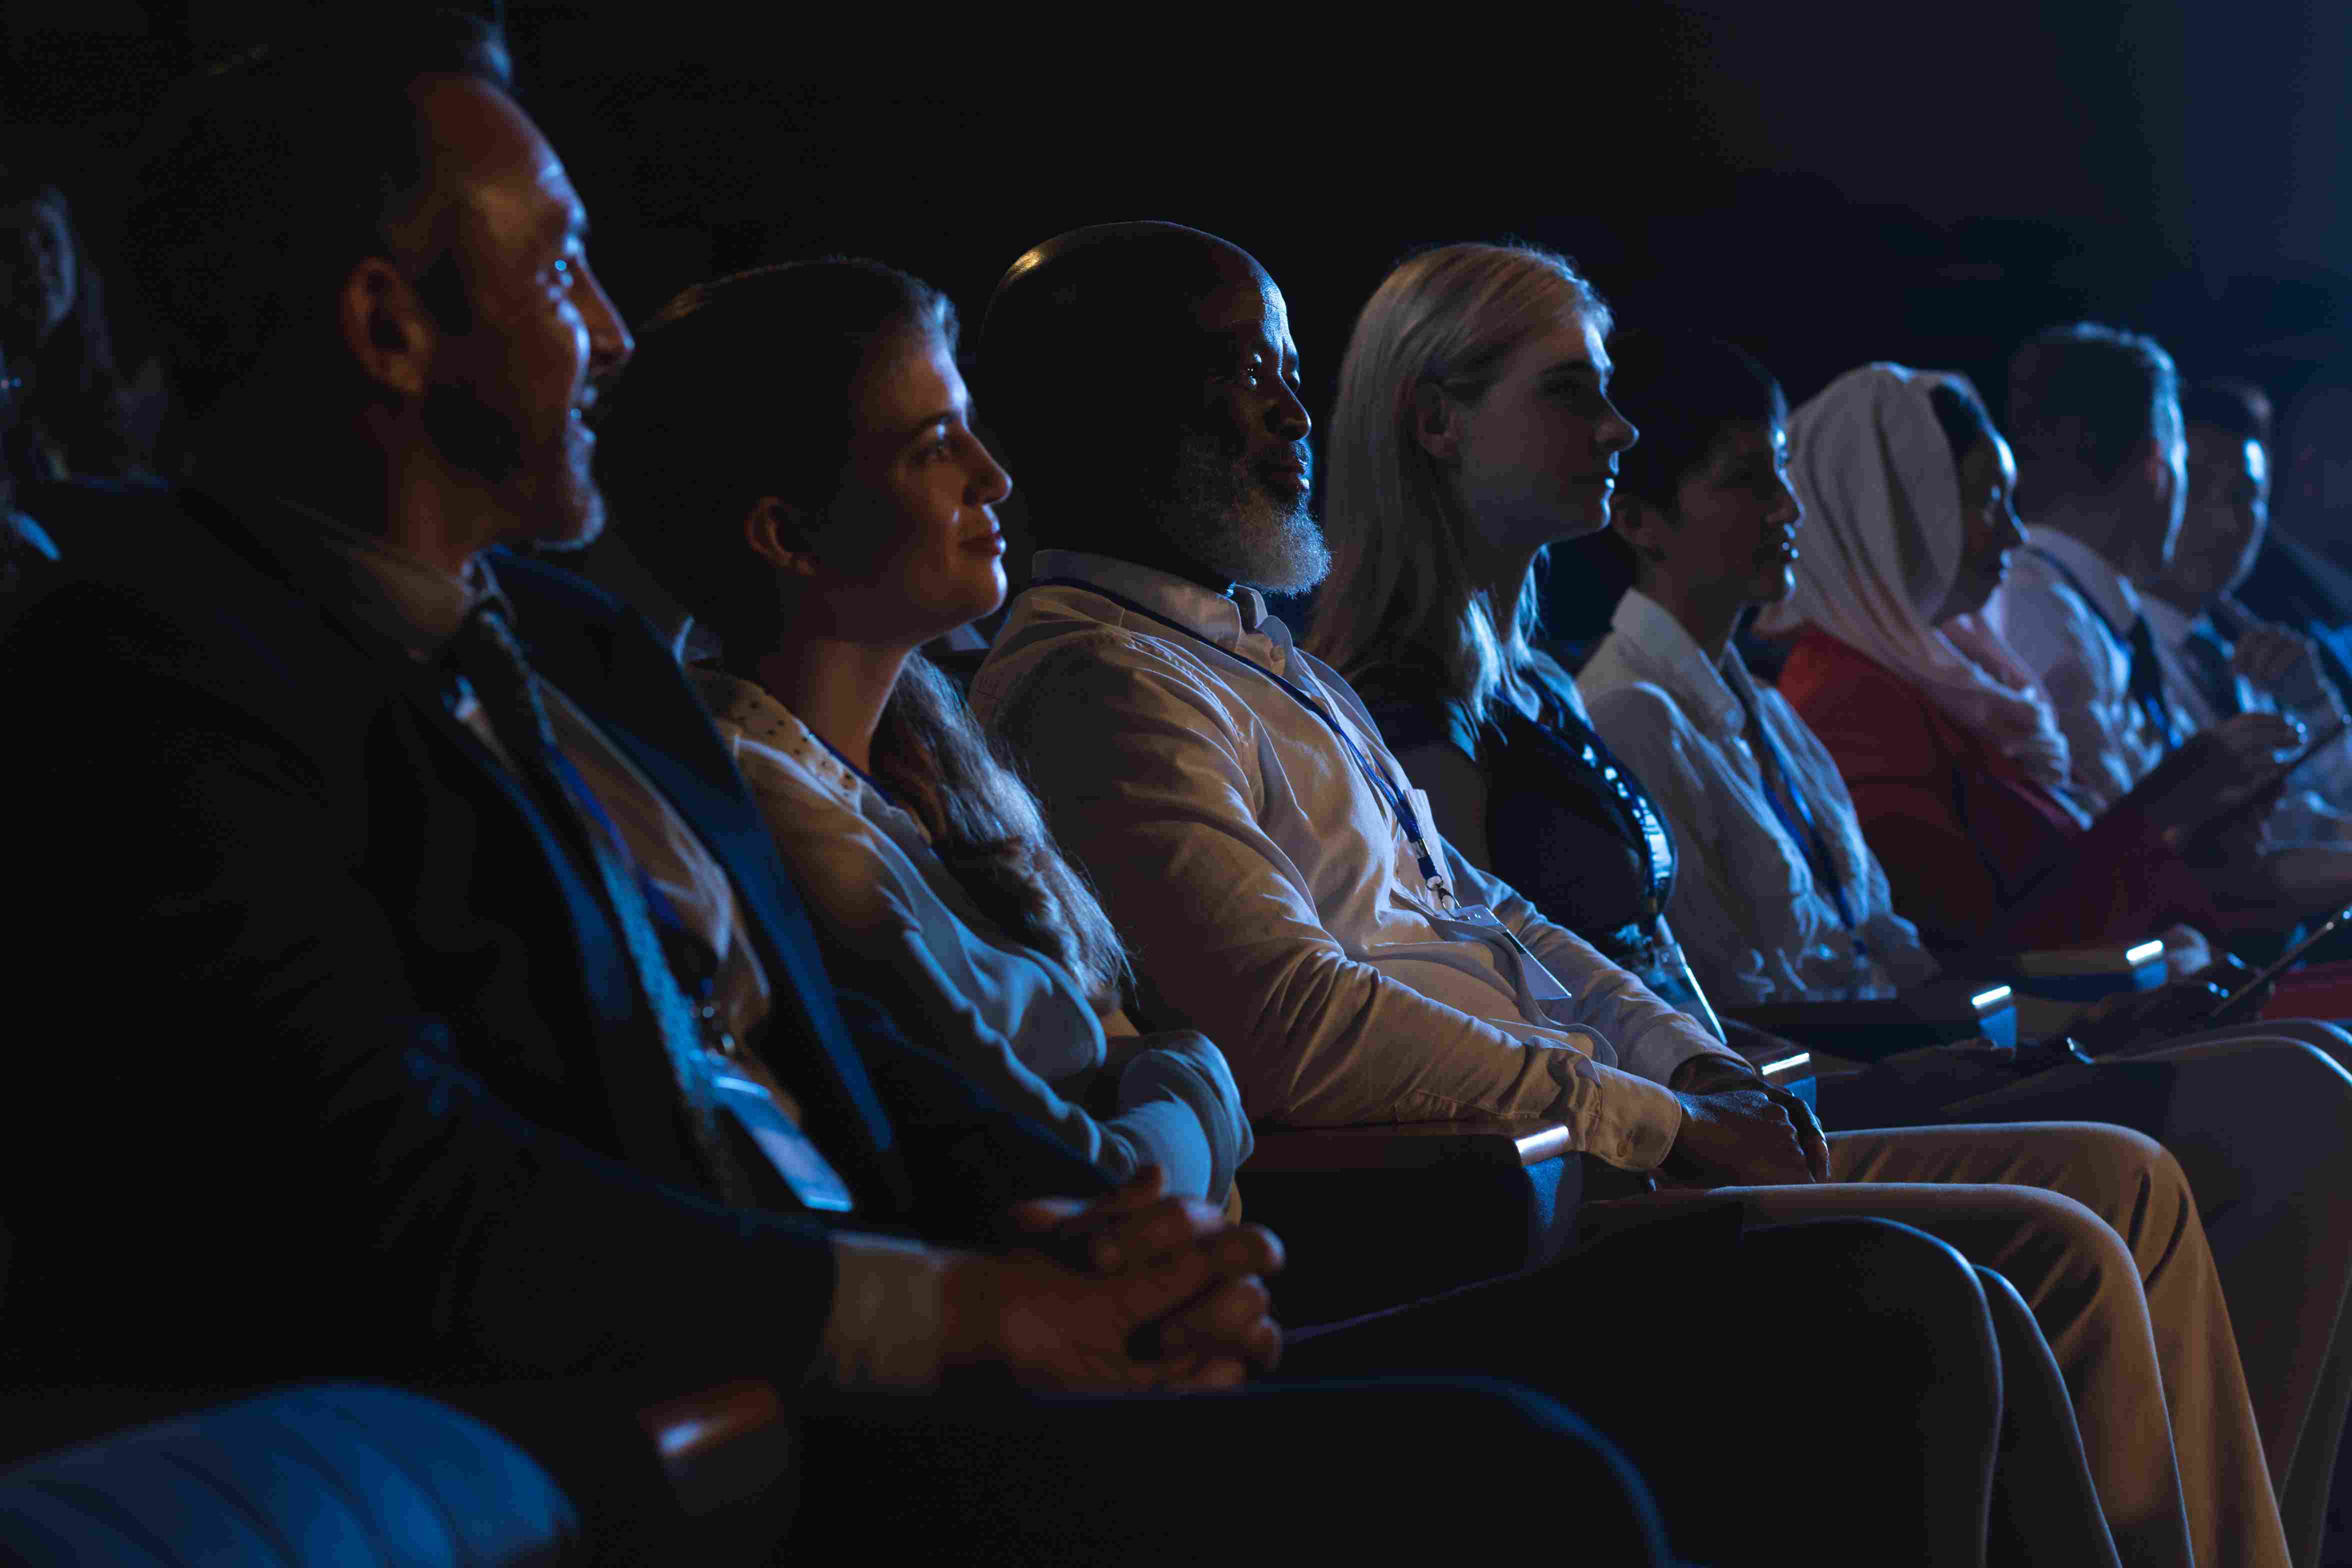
[[884, 1330]]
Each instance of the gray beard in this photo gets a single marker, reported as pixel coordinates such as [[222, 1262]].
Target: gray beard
[[1224, 520]]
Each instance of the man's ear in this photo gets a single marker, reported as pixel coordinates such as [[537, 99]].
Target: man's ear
[[778, 533], [386, 329], [1638, 523], [1437, 422]]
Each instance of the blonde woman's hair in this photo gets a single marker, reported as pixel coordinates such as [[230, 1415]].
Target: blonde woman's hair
[[1400, 588]]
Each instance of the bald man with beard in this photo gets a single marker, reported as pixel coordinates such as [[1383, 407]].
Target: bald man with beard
[[1284, 893]]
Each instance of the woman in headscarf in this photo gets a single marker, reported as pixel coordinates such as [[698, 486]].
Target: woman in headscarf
[[1951, 752]]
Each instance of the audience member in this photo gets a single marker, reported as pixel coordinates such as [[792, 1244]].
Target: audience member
[[76, 418], [2299, 579], [822, 569], [2219, 659], [2101, 478], [1283, 888]]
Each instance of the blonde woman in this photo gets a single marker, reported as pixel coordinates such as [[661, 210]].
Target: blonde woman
[[1473, 430], [826, 526]]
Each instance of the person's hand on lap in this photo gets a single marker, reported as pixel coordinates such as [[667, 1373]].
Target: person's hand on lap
[[1739, 1130]]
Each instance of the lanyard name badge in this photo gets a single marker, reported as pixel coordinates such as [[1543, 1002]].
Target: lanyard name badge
[[747, 1102], [742, 1098], [1408, 809], [1407, 812], [812, 1180], [1787, 804]]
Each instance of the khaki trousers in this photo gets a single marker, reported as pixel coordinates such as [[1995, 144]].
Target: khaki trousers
[[2096, 1228], [2264, 1127]]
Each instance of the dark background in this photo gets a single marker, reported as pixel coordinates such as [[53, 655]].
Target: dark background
[[1825, 183]]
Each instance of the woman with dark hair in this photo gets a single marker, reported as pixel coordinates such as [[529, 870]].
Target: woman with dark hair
[[74, 418], [825, 518]]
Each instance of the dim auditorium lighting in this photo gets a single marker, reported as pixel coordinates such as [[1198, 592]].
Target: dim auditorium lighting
[[1800, 1059], [2145, 951], [1992, 998]]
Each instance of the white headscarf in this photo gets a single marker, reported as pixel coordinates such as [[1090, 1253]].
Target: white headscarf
[[1882, 546]]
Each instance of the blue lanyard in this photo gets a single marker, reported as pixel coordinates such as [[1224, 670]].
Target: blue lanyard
[[692, 963], [1787, 804], [1382, 785]]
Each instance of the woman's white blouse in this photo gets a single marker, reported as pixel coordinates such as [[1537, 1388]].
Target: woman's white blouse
[[1753, 921], [1012, 1018]]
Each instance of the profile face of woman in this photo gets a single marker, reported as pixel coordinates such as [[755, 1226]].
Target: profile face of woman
[[1536, 459], [1734, 529], [909, 549], [1989, 527]]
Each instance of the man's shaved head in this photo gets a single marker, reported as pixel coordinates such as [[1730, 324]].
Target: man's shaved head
[[1143, 375]]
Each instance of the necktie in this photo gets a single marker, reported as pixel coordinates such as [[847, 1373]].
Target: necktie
[[485, 652], [2147, 683], [2208, 658]]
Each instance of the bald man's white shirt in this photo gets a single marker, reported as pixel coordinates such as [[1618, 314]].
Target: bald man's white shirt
[[1272, 899]]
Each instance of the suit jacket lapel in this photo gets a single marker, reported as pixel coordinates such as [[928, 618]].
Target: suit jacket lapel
[[631, 1063], [629, 1060], [808, 1042]]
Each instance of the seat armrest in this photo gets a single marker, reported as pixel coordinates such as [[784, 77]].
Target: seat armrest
[[2080, 974], [1936, 1013], [1407, 1145]]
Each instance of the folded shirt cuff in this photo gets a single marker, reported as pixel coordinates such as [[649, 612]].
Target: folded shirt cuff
[[883, 1332], [1630, 1122]]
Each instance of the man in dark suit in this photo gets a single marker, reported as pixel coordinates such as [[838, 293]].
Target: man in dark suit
[[411, 991]]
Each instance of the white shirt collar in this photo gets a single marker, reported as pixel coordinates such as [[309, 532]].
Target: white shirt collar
[[1650, 630], [2112, 593], [752, 711], [394, 592], [1223, 618]]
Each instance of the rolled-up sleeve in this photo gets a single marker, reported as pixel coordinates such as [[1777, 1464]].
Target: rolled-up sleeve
[[1149, 774]]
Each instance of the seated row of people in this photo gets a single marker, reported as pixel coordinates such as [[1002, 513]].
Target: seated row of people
[[1774, 872], [479, 1029], [893, 542]]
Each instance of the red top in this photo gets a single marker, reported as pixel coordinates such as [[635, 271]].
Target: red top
[[1979, 855]]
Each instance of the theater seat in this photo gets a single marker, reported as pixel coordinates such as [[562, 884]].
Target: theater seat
[[333, 1474]]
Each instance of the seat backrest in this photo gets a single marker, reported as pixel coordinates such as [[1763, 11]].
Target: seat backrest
[[330, 1474]]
